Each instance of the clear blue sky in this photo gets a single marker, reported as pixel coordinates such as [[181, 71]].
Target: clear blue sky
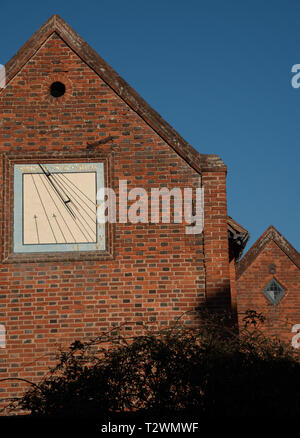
[[218, 71]]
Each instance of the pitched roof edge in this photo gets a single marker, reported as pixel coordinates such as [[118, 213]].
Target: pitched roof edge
[[271, 234], [238, 237], [199, 162], [14, 65], [234, 225]]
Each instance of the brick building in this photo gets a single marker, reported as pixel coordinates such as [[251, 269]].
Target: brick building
[[70, 126], [267, 279], [66, 115]]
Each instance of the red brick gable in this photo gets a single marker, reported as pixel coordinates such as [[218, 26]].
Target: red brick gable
[[271, 258], [55, 24], [271, 234]]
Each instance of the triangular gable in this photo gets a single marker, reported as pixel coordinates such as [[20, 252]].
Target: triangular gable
[[199, 162], [271, 234]]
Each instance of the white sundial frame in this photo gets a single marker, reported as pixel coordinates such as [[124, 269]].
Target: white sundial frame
[[55, 207]]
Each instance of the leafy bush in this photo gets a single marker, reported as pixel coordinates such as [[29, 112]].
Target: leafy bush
[[212, 370]]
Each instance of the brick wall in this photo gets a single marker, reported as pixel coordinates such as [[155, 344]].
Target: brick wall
[[155, 272], [271, 262], [216, 240]]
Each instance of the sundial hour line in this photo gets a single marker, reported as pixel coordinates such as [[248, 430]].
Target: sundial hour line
[[65, 202], [58, 209], [43, 206], [75, 201], [55, 218], [77, 188]]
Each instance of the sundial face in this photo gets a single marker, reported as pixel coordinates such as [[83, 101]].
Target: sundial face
[[55, 207], [59, 207]]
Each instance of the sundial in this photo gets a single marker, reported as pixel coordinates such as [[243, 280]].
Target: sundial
[[55, 207]]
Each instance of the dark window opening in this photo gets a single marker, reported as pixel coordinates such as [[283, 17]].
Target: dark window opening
[[57, 89]]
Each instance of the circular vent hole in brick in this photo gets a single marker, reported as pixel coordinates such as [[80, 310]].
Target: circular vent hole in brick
[[57, 89]]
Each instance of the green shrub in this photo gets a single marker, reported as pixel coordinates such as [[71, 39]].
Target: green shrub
[[212, 370]]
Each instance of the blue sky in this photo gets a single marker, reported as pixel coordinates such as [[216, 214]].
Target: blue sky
[[218, 71]]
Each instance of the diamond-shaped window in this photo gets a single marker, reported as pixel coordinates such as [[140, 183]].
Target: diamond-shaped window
[[274, 291]]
